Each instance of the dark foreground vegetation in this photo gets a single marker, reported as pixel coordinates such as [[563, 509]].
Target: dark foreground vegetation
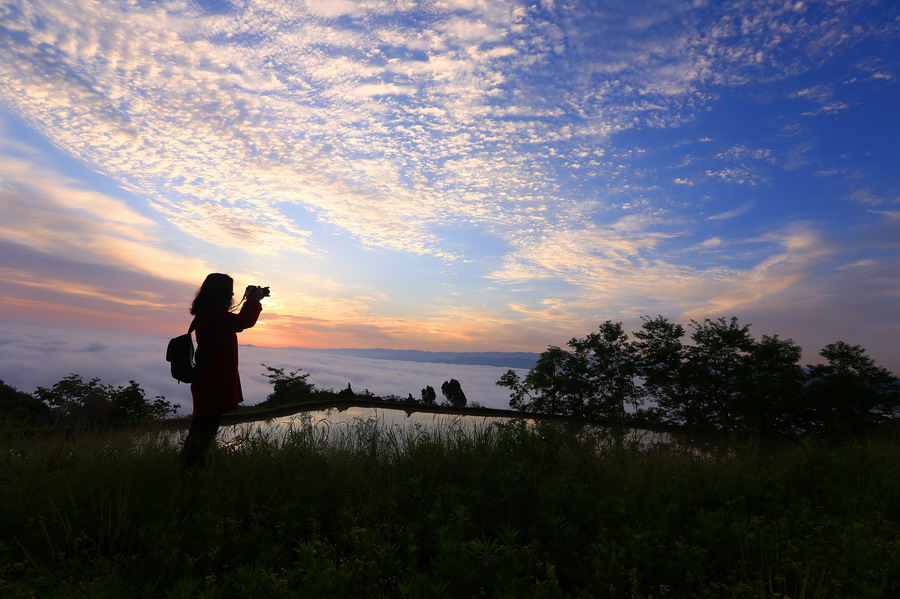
[[507, 511], [775, 481]]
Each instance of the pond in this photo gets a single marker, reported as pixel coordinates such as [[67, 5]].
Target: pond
[[348, 427]]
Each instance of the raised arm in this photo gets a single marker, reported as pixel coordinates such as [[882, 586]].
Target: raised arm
[[244, 319]]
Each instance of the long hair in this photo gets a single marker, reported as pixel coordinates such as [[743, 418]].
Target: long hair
[[216, 293]]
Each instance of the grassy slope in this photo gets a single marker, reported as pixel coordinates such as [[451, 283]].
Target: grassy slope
[[501, 513]]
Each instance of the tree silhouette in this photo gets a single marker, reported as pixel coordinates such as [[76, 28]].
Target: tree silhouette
[[850, 392], [286, 388], [429, 396], [724, 380], [454, 393], [718, 373], [775, 403], [20, 407], [660, 357], [75, 402], [557, 384], [610, 366]]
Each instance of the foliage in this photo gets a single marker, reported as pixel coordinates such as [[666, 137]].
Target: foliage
[[508, 511], [18, 407], [850, 392], [72, 401], [607, 359], [775, 400], [660, 356], [429, 395], [454, 394], [288, 388], [718, 373], [546, 388], [725, 380], [595, 379]]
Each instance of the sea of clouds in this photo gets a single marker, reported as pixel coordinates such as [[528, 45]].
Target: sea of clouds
[[35, 356]]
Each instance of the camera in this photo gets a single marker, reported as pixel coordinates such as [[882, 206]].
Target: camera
[[251, 288]]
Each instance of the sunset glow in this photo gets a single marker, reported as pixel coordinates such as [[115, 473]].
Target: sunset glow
[[465, 175]]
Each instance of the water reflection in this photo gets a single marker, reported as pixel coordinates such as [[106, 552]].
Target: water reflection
[[338, 424], [353, 425]]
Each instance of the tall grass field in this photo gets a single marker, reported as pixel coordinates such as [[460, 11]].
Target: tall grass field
[[504, 511]]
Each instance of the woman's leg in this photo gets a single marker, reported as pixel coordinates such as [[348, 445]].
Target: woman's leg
[[200, 438]]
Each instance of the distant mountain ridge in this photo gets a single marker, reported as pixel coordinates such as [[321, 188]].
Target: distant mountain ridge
[[524, 360]]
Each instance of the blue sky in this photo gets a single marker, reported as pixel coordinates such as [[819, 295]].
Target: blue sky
[[458, 175]]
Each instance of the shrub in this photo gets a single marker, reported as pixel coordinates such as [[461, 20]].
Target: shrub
[[287, 388], [72, 401]]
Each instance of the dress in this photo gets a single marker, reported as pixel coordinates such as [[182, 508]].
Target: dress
[[217, 387]]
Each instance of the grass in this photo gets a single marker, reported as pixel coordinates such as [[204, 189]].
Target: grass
[[500, 512]]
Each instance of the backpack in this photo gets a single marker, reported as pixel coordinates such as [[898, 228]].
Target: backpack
[[180, 353]]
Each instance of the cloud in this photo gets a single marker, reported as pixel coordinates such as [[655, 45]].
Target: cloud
[[868, 197], [225, 119], [229, 157], [630, 279], [893, 215], [729, 214], [268, 135], [712, 242], [823, 95], [50, 213], [802, 249], [582, 257], [38, 356], [856, 304], [75, 254]]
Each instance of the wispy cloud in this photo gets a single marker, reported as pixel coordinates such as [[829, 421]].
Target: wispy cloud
[[729, 214], [50, 213], [801, 250], [565, 154], [222, 119], [824, 97]]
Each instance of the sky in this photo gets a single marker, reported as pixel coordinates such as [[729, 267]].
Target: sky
[[33, 356], [450, 175]]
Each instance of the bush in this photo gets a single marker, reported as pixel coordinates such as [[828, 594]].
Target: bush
[[287, 388], [514, 511], [18, 407], [75, 402], [724, 381]]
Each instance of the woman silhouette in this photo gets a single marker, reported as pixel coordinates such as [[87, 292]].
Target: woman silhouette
[[216, 389]]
